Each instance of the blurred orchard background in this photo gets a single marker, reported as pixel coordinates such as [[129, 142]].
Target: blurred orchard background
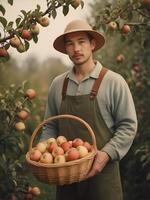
[[28, 64]]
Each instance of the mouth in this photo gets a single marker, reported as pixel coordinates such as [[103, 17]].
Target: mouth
[[77, 56]]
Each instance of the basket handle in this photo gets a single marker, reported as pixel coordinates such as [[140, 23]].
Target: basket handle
[[63, 117]]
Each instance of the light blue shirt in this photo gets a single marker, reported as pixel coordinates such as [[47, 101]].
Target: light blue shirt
[[115, 103]]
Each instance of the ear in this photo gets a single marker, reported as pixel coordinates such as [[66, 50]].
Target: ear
[[93, 44]]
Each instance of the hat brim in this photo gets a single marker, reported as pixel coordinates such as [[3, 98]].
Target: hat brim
[[59, 43]]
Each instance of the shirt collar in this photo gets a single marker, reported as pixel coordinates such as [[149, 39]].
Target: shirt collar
[[94, 73]]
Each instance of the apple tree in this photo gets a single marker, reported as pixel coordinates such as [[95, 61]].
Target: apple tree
[[126, 26], [16, 102], [26, 27]]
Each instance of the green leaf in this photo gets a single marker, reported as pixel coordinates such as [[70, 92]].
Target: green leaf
[[38, 7], [7, 46], [23, 12], [27, 45], [54, 13], [3, 21], [82, 4], [35, 38], [65, 10], [2, 10], [10, 2], [18, 21]]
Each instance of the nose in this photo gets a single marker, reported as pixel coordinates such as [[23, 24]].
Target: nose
[[76, 47]]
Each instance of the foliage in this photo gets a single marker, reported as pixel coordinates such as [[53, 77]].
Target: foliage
[[25, 28], [134, 66]]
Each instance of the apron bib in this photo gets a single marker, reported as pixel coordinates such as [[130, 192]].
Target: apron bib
[[106, 185]]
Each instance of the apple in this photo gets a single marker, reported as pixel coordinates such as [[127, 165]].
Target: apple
[[82, 151], [60, 159], [75, 3], [146, 2], [20, 126], [46, 158], [51, 140], [120, 58], [15, 42], [23, 115], [51, 146], [66, 146], [35, 191], [41, 146], [136, 67], [72, 154], [60, 139], [77, 142], [3, 52], [35, 155], [30, 93], [44, 21], [112, 25], [57, 151], [88, 146], [26, 34], [21, 48], [28, 196], [35, 29], [125, 29]]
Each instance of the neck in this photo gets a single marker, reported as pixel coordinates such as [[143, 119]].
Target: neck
[[82, 70]]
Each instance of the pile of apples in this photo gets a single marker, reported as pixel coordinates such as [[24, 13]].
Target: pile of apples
[[60, 150]]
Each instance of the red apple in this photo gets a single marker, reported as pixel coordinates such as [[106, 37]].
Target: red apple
[[66, 146], [3, 52], [61, 139], [23, 115], [77, 142], [15, 42], [35, 191], [125, 29], [82, 151], [57, 151], [120, 58], [136, 67], [146, 2], [46, 158], [72, 154], [35, 155], [51, 146], [44, 21], [60, 159], [30, 93], [26, 34], [88, 146]]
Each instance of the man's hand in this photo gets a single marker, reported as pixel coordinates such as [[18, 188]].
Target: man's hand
[[100, 161]]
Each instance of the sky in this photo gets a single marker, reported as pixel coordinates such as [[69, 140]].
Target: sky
[[44, 48]]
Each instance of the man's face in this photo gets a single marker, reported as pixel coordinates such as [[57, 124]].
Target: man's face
[[78, 47]]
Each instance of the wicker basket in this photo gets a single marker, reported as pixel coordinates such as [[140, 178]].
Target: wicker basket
[[62, 173]]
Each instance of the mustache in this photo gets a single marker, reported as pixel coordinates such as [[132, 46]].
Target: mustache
[[76, 55]]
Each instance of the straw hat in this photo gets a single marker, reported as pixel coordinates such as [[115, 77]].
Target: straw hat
[[74, 26]]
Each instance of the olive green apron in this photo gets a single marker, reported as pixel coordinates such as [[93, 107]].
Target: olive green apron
[[106, 185]]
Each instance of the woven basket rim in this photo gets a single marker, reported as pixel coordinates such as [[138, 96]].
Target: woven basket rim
[[56, 165]]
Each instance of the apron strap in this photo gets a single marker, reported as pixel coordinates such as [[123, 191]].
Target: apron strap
[[64, 89], [94, 88], [97, 83]]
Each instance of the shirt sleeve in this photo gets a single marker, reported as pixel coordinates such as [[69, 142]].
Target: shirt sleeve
[[50, 129], [125, 120]]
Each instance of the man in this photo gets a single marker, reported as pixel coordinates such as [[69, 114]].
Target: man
[[100, 97]]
